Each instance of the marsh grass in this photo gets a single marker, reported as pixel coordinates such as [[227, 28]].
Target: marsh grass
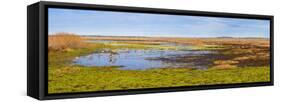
[[65, 41]]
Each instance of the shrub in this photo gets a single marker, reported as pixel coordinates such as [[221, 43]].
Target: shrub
[[64, 41]]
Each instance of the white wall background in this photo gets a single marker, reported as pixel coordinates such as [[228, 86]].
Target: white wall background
[[13, 51]]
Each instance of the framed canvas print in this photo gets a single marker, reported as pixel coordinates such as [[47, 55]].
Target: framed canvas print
[[83, 50]]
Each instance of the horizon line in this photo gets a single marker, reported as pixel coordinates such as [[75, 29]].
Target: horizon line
[[159, 36]]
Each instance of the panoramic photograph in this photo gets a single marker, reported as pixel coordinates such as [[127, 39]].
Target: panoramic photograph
[[91, 50]]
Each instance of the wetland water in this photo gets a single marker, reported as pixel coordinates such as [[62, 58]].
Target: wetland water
[[139, 59]]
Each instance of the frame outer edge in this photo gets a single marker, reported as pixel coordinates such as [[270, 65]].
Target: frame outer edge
[[41, 51], [43, 65], [272, 50]]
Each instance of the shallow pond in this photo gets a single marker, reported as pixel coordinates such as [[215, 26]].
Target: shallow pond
[[140, 59]]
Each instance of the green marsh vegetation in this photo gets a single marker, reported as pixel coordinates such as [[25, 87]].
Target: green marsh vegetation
[[237, 61]]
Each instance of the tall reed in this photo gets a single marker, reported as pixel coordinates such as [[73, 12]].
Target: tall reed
[[64, 41]]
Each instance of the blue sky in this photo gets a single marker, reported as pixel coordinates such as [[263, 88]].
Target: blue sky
[[106, 23]]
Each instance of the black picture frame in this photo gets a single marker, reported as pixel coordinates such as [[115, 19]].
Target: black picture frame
[[37, 31]]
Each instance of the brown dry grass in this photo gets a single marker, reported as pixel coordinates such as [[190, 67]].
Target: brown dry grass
[[225, 64], [67, 70], [261, 42], [64, 41]]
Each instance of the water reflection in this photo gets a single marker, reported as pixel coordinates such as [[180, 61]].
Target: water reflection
[[144, 59], [138, 59]]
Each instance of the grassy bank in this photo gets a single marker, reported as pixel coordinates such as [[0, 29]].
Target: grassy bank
[[81, 79]]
